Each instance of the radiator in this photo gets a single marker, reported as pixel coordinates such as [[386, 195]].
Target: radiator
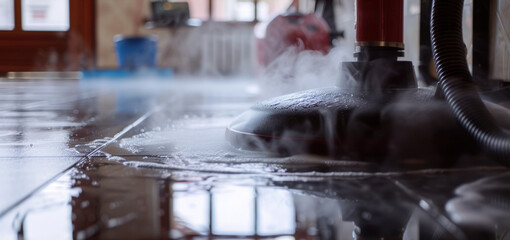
[[228, 50]]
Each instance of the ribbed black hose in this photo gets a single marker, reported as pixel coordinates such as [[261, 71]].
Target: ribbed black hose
[[456, 83]]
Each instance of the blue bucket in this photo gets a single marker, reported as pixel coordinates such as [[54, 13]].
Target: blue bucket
[[136, 52]]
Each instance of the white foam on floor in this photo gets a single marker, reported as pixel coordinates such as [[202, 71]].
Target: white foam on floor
[[199, 145]]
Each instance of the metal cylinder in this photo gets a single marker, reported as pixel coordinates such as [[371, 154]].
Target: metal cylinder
[[379, 23]]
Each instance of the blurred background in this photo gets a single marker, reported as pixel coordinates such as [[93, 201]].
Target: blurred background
[[51, 35]]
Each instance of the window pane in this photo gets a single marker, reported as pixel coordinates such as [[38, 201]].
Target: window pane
[[6, 14], [275, 202], [192, 209], [268, 8], [233, 211], [233, 10], [45, 15]]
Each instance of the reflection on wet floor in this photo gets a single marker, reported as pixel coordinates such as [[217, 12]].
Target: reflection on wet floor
[[104, 199], [167, 173]]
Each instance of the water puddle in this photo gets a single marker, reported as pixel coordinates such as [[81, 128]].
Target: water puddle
[[103, 199], [174, 176]]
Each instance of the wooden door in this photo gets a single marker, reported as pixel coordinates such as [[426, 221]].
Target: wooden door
[[26, 48]]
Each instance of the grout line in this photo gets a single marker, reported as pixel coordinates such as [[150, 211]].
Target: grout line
[[82, 159], [501, 22], [80, 156], [121, 133], [431, 209]]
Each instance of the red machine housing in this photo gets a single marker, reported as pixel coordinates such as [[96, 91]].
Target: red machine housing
[[304, 31], [379, 23]]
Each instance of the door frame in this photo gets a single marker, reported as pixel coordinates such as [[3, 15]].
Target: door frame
[[71, 50]]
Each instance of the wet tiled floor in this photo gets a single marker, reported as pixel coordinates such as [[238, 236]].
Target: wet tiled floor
[[108, 161]]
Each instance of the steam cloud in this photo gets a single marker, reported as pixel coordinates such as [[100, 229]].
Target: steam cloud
[[297, 70]]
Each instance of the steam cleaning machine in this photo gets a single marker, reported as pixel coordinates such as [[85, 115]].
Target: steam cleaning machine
[[385, 118]]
